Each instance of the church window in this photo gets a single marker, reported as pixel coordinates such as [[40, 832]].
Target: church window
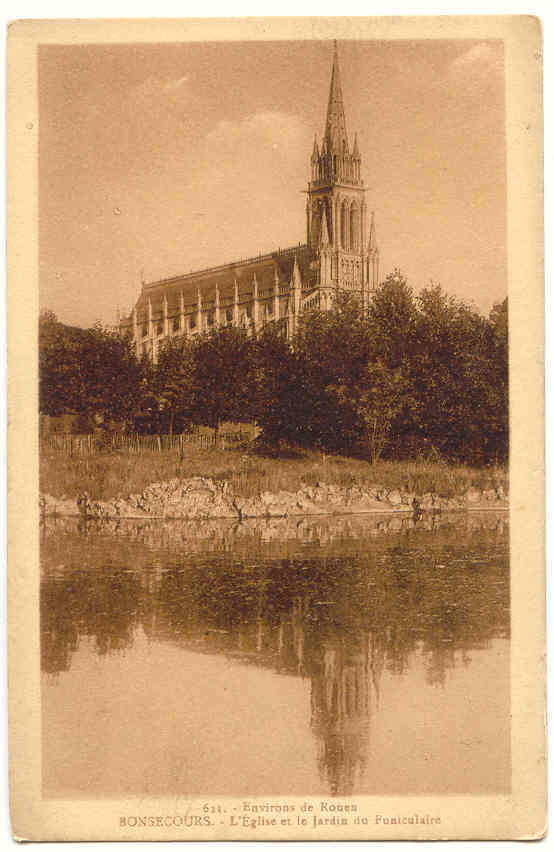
[[316, 216], [159, 328], [192, 322], [248, 311], [210, 319], [269, 308], [144, 331], [175, 323], [344, 225], [354, 227], [229, 315]]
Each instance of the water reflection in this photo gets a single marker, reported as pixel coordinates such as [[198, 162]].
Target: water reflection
[[342, 605]]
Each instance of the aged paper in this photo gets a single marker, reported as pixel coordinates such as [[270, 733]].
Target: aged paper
[[215, 680]]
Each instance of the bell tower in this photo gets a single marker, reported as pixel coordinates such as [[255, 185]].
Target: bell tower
[[336, 210]]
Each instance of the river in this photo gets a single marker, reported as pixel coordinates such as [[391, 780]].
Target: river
[[339, 656]]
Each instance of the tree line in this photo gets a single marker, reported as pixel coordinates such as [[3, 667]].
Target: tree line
[[410, 375]]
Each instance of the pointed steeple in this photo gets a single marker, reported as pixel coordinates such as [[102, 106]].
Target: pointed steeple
[[296, 278], [235, 302], [315, 152], [335, 127], [324, 235], [372, 244]]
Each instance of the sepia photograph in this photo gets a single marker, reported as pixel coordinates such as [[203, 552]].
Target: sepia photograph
[[279, 400]]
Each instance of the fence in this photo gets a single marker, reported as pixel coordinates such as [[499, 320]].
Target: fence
[[87, 445]]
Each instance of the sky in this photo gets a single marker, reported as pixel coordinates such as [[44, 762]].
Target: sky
[[157, 160]]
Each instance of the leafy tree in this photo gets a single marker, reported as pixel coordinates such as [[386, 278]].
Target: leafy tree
[[282, 390], [333, 348], [375, 401], [393, 319], [498, 319], [498, 411], [109, 374], [86, 371], [223, 376], [451, 375], [173, 382], [59, 348]]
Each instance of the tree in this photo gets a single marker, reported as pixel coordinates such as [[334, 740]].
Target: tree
[[451, 376], [59, 390], [109, 374], [280, 395], [173, 382], [499, 384], [333, 348], [86, 371], [393, 319], [498, 319], [223, 376], [376, 401]]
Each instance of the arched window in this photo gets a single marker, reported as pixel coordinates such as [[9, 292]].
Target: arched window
[[344, 225], [329, 214], [354, 227], [316, 219]]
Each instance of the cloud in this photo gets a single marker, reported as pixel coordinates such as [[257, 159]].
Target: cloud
[[170, 85], [275, 133], [159, 91], [480, 64]]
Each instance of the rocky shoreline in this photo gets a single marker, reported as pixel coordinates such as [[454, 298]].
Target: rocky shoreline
[[200, 498]]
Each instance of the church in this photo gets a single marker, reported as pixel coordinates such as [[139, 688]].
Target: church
[[278, 287]]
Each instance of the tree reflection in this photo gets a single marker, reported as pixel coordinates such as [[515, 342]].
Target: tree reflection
[[337, 615]]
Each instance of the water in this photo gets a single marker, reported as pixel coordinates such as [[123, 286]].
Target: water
[[322, 657]]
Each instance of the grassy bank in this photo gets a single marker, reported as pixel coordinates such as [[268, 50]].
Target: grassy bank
[[114, 474]]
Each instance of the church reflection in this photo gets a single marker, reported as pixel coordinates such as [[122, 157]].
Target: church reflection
[[337, 619]]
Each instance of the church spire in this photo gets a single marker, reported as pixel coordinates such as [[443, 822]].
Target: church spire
[[372, 244], [315, 151], [335, 127], [324, 235]]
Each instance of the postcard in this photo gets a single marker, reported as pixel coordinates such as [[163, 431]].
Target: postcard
[[276, 461]]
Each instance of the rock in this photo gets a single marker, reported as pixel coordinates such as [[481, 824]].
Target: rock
[[202, 498], [427, 501], [452, 504]]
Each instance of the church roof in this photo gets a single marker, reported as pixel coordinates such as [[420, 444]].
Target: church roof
[[262, 267]]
